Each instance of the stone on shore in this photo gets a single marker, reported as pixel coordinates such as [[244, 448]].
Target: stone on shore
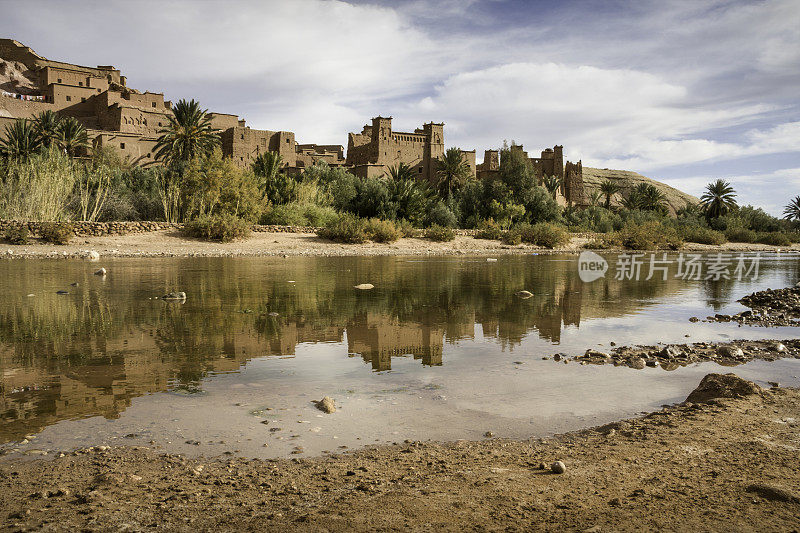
[[558, 467], [326, 405], [722, 386]]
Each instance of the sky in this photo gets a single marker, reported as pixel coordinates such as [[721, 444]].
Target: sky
[[681, 91]]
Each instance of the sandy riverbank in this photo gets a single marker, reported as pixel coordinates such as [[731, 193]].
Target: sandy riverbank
[[728, 465], [167, 243]]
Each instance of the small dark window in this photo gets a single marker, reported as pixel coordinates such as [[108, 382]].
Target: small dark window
[[154, 104], [241, 158], [159, 124], [80, 84], [83, 99], [69, 98], [122, 145], [242, 135], [59, 80], [420, 170], [287, 141], [149, 155], [98, 90]]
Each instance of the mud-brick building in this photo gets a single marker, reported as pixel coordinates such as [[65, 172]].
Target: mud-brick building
[[371, 152], [123, 118]]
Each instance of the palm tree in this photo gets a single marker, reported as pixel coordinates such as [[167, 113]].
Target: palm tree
[[188, 135], [46, 125], [595, 197], [20, 141], [72, 136], [267, 165], [453, 169], [609, 188], [792, 211], [552, 184], [400, 172], [718, 199], [650, 197], [410, 196]]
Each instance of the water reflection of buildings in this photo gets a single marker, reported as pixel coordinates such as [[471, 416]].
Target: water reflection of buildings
[[73, 358], [377, 338]]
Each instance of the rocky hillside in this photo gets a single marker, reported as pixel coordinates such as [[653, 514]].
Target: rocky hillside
[[593, 177], [16, 78]]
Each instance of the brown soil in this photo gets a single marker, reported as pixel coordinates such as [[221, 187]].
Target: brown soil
[[170, 243], [728, 465]]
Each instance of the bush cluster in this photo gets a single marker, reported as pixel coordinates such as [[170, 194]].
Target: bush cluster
[[17, 234], [440, 233], [544, 234], [57, 232], [702, 235], [348, 229], [224, 227]]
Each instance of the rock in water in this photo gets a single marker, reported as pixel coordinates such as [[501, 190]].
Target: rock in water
[[523, 294], [636, 362], [722, 386], [730, 351], [174, 296], [365, 286], [326, 405], [101, 272], [558, 467], [779, 347]]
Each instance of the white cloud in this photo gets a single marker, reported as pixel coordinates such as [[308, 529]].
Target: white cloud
[[607, 117]]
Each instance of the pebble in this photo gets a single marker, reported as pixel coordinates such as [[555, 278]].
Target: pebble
[[326, 405], [364, 286], [101, 272], [558, 467]]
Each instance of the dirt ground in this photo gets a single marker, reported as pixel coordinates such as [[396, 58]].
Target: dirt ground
[[170, 243], [730, 465]]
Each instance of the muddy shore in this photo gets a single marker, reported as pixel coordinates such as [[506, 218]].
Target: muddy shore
[[730, 464], [170, 243]]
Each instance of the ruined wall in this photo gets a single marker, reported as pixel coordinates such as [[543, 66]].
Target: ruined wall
[[138, 148], [574, 189]]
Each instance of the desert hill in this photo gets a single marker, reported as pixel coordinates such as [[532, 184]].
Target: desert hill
[[593, 177]]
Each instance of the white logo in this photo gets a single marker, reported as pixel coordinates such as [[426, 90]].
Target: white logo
[[591, 266]]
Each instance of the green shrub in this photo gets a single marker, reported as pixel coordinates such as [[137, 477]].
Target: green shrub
[[319, 216], [702, 235], [382, 230], [440, 233], [648, 236], [223, 227], [406, 228], [489, 229], [441, 215], [17, 234], [544, 234], [740, 235], [347, 229], [57, 232], [512, 237], [295, 214], [774, 238]]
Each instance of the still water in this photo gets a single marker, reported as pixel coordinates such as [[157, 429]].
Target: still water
[[441, 348]]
